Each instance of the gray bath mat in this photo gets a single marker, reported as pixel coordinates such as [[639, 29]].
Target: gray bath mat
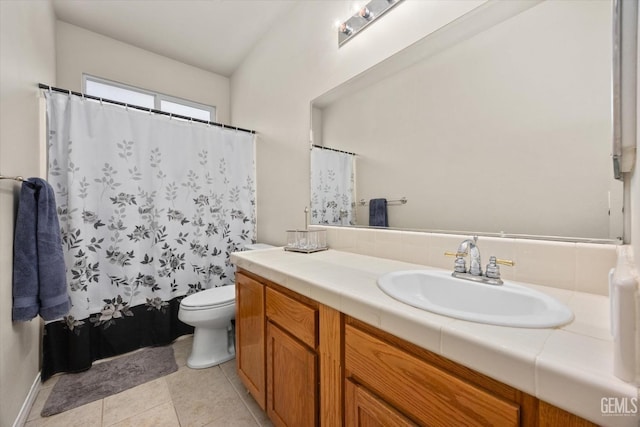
[[105, 379]]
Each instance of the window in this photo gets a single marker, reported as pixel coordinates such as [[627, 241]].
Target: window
[[184, 110], [131, 95]]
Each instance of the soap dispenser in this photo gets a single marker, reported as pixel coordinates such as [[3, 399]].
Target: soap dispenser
[[622, 290]]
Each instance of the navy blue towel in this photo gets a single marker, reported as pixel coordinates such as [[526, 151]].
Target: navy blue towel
[[378, 213], [39, 277]]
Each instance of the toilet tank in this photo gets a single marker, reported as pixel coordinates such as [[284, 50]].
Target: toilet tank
[[255, 246]]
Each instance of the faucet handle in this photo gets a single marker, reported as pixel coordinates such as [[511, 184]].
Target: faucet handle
[[460, 265], [493, 271], [456, 254]]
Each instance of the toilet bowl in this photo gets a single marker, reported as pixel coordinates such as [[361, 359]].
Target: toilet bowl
[[210, 312]]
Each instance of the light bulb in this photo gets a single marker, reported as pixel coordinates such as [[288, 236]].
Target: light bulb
[[346, 29], [366, 13]]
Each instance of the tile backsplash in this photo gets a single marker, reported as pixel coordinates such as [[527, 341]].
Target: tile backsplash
[[580, 267]]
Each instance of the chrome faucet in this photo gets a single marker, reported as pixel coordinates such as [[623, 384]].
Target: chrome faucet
[[469, 247]]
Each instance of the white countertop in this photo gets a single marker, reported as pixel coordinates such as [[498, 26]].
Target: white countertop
[[570, 367]]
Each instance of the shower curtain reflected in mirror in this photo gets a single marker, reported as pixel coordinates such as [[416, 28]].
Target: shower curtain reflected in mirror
[[150, 209], [332, 187]]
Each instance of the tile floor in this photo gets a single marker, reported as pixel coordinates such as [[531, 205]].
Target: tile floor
[[188, 397]]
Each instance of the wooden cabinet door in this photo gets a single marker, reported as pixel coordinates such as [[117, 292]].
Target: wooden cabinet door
[[363, 409], [432, 396], [550, 416], [292, 380], [250, 330]]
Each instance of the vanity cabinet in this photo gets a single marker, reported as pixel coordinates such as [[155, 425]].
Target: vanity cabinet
[[307, 364], [396, 383], [250, 336], [421, 390], [277, 350], [292, 362]]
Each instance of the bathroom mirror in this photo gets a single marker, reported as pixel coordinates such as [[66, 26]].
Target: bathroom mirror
[[498, 123]]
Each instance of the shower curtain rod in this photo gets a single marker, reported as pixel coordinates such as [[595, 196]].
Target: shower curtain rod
[[148, 110], [333, 149]]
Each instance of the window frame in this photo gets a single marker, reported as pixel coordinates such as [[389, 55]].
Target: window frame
[[157, 96]]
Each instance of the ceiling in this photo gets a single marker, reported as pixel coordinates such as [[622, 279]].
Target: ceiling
[[215, 35]]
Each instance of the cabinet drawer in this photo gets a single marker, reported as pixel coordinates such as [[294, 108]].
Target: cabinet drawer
[[295, 317], [424, 392], [364, 409]]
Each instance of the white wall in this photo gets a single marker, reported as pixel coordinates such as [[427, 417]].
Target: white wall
[[297, 61], [81, 51], [27, 57]]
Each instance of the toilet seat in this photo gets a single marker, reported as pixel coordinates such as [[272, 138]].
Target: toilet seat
[[221, 296]]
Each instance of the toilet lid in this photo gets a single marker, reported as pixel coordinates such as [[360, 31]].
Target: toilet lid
[[222, 295]]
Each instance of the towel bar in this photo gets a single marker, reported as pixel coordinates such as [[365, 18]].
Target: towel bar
[[15, 178], [400, 201]]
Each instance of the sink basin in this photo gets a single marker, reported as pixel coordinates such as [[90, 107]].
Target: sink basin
[[505, 305]]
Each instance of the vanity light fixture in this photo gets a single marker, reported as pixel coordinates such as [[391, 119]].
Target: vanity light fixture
[[363, 17], [346, 29], [366, 13]]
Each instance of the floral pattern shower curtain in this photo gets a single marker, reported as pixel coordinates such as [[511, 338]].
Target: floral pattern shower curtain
[[150, 209], [332, 187]]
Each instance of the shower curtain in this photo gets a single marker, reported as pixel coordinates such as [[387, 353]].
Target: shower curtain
[[332, 187], [150, 209]]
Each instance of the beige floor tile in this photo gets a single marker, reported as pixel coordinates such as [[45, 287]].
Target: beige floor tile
[[229, 368], [82, 416], [160, 416], [231, 421], [205, 397], [230, 371], [182, 349], [248, 400], [51, 381], [135, 401], [189, 397], [38, 404], [41, 398]]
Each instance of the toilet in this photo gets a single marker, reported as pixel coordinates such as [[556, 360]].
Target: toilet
[[210, 312]]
